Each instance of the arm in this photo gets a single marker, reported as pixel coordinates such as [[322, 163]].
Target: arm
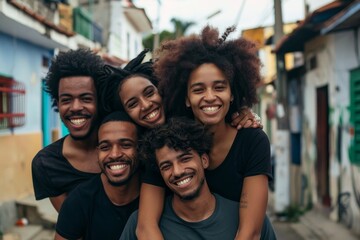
[[245, 118], [150, 209], [58, 201], [253, 202]]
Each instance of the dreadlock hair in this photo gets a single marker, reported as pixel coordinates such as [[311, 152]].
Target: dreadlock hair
[[177, 59], [180, 134], [80, 62], [113, 78]]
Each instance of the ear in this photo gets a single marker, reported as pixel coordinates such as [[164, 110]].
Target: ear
[[232, 98], [205, 160], [187, 102]]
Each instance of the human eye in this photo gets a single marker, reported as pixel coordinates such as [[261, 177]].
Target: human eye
[[88, 99], [132, 104], [149, 92], [104, 147], [64, 100], [127, 145], [197, 90], [165, 167], [220, 87]]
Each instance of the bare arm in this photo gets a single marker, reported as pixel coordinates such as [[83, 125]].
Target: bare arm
[[58, 201], [150, 209], [58, 237], [253, 202]]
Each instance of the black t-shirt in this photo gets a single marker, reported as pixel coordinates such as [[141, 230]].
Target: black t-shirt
[[88, 213], [249, 155], [52, 173]]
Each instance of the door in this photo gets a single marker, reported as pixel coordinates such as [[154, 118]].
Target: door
[[322, 136]]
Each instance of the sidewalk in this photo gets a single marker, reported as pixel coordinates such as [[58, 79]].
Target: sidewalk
[[314, 225]]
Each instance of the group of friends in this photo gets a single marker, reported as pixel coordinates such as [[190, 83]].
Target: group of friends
[[161, 149]]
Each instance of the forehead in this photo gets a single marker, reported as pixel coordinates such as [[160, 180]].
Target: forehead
[[117, 130], [77, 84], [206, 72], [135, 84]]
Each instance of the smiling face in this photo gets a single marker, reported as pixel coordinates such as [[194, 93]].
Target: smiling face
[[183, 172], [77, 105], [141, 100], [117, 151], [209, 94]]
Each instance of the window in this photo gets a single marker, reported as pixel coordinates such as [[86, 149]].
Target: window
[[12, 103]]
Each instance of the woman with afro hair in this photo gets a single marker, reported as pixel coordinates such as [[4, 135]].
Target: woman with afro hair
[[209, 78]]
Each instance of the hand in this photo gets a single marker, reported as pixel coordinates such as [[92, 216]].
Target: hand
[[246, 118]]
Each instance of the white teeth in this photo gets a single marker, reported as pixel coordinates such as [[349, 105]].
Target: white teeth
[[77, 121], [117, 167], [182, 182], [152, 114], [210, 109]]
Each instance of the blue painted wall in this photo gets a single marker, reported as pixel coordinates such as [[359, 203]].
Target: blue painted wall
[[22, 60]]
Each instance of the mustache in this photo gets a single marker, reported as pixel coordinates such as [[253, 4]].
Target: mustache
[[119, 160]]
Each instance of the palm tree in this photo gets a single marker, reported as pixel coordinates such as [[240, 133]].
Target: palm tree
[[181, 27]]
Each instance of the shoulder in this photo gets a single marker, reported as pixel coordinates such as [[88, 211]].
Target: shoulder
[[250, 137], [52, 151], [88, 189]]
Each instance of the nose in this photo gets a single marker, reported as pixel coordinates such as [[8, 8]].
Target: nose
[[209, 95], [76, 105], [145, 104], [115, 152], [177, 170]]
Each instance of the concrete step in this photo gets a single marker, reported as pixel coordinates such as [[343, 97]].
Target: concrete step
[[37, 212], [23, 232]]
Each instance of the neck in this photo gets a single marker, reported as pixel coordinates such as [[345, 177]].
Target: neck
[[221, 132], [197, 209], [88, 143], [122, 195]]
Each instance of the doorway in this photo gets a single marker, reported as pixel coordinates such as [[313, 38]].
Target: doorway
[[322, 146]]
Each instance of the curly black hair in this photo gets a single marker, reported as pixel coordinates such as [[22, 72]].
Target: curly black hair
[[111, 81], [179, 133], [177, 59], [80, 62]]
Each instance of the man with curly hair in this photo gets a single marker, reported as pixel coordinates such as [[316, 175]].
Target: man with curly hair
[[179, 150], [72, 82]]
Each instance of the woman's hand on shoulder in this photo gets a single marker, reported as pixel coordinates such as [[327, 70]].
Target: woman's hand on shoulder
[[246, 118]]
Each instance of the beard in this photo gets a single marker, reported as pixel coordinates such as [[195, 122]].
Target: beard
[[124, 181]]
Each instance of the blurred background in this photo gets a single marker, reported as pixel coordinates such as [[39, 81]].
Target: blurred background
[[309, 96]]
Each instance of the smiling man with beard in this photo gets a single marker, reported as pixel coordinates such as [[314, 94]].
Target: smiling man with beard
[[72, 82], [179, 150], [100, 207]]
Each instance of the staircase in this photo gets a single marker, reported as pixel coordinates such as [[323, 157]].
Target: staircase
[[36, 220]]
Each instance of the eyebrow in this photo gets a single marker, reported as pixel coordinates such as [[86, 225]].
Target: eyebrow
[[177, 157], [121, 140], [81, 95], [202, 83]]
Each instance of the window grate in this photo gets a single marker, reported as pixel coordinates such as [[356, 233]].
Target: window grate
[[12, 103]]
